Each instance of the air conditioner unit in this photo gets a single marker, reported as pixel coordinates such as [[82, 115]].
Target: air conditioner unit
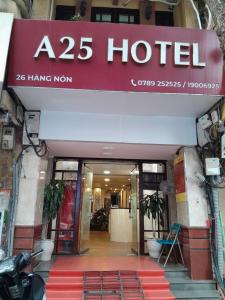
[[13, 111]]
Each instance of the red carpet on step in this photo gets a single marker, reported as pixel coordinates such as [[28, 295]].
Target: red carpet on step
[[66, 277]]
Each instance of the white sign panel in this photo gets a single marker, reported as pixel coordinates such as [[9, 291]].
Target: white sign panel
[[6, 22]]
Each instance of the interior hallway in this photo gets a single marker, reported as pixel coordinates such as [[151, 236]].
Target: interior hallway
[[100, 245]]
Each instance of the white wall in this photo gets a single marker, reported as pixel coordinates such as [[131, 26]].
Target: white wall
[[193, 212], [71, 126], [196, 195], [6, 21], [31, 188]]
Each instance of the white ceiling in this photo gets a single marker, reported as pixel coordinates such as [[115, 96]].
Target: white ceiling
[[109, 102], [118, 168], [111, 150], [119, 176], [122, 103]]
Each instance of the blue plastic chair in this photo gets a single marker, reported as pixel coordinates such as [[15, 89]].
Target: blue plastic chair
[[172, 240]]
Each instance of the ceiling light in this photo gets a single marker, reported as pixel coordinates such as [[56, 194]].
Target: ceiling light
[[128, 179], [106, 179], [83, 178], [107, 153], [108, 148], [106, 184], [107, 172], [123, 185], [42, 172]]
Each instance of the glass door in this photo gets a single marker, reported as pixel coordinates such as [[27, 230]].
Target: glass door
[[86, 200], [134, 209], [62, 228]]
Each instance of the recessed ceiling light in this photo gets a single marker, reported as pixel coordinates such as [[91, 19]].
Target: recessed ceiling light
[[83, 178], [42, 172], [107, 153], [128, 179], [107, 172], [123, 185], [106, 184], [108, 148], [106, 179]]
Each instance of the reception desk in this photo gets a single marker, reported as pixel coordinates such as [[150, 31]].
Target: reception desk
[[120, 225]]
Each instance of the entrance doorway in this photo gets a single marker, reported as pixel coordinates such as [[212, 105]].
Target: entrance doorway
[[99, 214], [109, 221]]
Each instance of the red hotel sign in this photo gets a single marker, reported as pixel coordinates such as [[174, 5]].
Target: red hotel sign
[[116, 57]]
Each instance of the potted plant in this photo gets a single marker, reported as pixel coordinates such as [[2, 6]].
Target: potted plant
[[53, 196], [153, 206]]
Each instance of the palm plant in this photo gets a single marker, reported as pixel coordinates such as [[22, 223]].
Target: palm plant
[[53, 196], [153, 206]]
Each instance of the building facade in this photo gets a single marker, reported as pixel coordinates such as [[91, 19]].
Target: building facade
[[119, 83]]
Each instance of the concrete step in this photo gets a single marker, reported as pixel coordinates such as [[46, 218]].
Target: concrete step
[[176, 271], [196, 295], [188, 284]]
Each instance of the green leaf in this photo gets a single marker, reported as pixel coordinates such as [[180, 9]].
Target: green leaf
[[153, 206], [53, 196]]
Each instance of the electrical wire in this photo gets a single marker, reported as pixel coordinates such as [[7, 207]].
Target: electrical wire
[[210, 17], [40, 150], [212, 228], [214, 126], [197, 14], [167, 2]]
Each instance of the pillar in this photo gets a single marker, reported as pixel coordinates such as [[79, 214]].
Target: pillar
[[192, 214], [28, 225]]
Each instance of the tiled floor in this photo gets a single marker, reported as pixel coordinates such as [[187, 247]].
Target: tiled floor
[[100, 245], [90, 263]]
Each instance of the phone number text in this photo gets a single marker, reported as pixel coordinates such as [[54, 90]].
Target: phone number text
[[175, 84]]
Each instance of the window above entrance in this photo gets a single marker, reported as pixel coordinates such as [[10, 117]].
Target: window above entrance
[[66, 170], [115, 15]]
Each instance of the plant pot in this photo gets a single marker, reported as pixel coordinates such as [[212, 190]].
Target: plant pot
[[154, 248], [47, 246]]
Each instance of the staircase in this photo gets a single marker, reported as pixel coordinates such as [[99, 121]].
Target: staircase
[[70, 285], [184, 288]]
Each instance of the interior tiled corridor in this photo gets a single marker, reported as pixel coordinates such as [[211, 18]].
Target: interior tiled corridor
[[100, 245]]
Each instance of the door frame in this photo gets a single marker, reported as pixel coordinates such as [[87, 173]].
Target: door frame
[[78, 198]]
